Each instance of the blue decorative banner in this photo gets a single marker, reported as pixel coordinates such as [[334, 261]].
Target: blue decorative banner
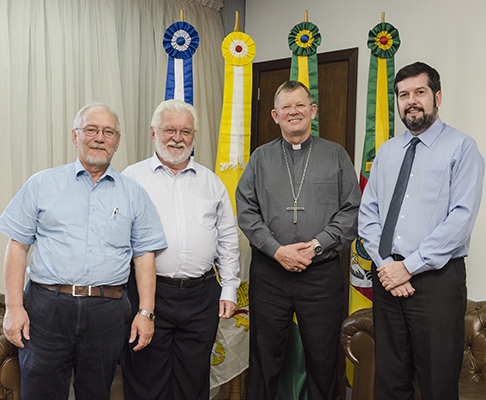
[[180, 42]]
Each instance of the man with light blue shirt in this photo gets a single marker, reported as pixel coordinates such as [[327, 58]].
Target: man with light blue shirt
[[85, 222], [200, 226], [419, 278]]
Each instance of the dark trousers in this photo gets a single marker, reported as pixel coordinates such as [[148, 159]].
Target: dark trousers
[[80, 334], [423, 333], [316, 296], [176, 364]]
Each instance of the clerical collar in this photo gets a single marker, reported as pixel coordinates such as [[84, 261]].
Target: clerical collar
[[299, 146]]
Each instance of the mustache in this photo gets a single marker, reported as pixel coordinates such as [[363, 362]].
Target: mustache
[[97, 146], [177, 145], [408, 109]]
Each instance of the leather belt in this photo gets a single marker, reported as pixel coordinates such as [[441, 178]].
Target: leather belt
[[398, 257], [112, 292], [186, 282]]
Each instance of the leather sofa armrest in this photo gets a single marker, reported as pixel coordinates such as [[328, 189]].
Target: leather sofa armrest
[[359, 345], [9, 368]]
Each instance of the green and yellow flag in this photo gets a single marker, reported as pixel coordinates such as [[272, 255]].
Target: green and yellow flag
[[383, 41], [304, 38]]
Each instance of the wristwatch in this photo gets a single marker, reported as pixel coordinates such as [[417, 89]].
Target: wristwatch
[[317, 247], [147, 314]]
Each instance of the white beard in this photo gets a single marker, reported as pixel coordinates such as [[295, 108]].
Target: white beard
[[165, 153]]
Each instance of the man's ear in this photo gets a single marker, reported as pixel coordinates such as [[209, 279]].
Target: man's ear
[[74, 137], [275, 116], [438, 98]]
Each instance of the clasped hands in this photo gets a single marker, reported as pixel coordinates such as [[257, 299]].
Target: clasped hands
[[395, 278], [295, 257]]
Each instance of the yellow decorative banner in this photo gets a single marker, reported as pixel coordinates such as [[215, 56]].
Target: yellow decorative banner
[[234, 133]]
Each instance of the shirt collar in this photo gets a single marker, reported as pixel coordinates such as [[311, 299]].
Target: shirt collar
[[428, 137], [79, 170], [155, 163], [303, 145]]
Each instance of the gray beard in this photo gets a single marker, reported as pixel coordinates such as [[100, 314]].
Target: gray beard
[[164, 153]]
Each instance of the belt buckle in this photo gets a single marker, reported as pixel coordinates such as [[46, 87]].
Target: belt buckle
[[81, 295]]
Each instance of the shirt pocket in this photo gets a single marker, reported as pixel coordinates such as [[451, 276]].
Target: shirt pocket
[[120, 231], [324, 192], [434, 186], [206, 212]]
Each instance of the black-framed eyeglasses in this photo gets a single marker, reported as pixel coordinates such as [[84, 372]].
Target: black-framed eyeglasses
[[93, 131]]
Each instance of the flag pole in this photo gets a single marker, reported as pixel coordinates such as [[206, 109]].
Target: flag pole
[[237, 22], [182, 16]]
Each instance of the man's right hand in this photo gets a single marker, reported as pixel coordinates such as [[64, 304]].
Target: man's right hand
[[404, 290], [290, 256], [15, 323]]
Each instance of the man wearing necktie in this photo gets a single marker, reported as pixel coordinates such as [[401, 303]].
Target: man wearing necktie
[[416, 218]]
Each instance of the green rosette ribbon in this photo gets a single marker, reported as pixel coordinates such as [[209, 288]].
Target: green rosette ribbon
[[304, 39], [383, 40]]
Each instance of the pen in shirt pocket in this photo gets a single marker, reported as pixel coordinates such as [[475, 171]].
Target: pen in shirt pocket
[[114, 214]]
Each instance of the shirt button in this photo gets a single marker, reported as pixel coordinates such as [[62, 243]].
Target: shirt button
[[411, 175], [399, 237], [406, 196], [402, 216]]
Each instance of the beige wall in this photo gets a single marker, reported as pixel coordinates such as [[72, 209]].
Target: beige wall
[[443, 33]]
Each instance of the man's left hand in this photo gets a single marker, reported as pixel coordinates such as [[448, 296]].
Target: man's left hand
[[144, 328], [393, 274], [226, 309]]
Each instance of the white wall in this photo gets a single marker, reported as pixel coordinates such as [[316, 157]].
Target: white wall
[[446, 34]]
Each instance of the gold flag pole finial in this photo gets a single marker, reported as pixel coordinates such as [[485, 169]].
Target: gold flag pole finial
[[237, 23], [382, 17], [182, 15], [306, 16]]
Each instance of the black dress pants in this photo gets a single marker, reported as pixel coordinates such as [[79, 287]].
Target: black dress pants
[[316, 296], [176, 363], [423, 333]]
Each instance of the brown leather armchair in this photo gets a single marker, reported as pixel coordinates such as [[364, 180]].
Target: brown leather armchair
[[9, 371], [359, 345]]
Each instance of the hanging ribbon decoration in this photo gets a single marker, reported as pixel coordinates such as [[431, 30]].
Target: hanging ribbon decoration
[[180, 42], [234, 133], [304, 38], [383, 41]]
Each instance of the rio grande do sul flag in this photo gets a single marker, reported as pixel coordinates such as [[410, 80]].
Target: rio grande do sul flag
[[383, 41], [304, 38]]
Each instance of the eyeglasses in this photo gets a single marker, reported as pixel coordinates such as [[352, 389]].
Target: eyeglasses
[[186, 132], [92, 131]]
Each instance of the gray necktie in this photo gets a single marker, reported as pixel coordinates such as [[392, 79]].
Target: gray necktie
[[396, 201]]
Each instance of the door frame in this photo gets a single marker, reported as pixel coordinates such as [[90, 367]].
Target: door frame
[[348, 55]]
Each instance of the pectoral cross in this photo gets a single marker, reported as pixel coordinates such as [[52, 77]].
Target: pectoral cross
[[295, 209]]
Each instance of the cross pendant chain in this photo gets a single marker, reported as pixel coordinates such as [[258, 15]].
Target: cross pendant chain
[[295, 209]]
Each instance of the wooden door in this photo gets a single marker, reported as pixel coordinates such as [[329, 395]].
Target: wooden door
[[337, 74]]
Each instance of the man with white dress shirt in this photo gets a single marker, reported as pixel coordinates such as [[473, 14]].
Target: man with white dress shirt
[[419, 276], [201, 233]]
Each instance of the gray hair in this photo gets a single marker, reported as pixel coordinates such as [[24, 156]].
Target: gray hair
[[290, 86], [79, 115], [177, 106]]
